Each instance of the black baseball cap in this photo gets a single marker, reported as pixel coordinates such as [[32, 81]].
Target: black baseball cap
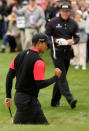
[[42, 37], [65, 7]]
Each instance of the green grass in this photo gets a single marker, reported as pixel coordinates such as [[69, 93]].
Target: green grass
[[59, 118]]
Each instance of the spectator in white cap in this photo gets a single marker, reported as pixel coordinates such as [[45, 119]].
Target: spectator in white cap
[[24, 2], [80, 48]]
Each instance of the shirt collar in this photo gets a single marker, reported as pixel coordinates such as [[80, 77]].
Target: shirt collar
[[34, 49]]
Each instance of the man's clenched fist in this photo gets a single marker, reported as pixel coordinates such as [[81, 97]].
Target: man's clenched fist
[[58, 72]]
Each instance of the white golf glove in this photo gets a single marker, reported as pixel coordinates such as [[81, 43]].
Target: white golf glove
[[61, 41]]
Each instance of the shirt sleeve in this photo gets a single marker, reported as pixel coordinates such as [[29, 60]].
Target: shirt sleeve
[[9, 82], [39, 70], [12, 66], [44, 83]]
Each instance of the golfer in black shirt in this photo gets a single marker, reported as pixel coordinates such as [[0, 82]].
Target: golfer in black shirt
[[29, 69], [64, 32]]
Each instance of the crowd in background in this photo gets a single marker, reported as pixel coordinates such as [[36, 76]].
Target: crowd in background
[[21, 19]]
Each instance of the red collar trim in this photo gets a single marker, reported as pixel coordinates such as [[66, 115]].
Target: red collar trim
[[34, 49]]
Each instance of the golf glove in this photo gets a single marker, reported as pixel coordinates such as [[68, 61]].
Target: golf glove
[[61, 42]]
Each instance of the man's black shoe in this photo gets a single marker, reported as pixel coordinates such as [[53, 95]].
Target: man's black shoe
[[73, 103]]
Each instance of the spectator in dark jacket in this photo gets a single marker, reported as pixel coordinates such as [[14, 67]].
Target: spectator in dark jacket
[[2, 14]]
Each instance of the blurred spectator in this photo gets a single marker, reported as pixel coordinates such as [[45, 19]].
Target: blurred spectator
[[2, 14], [87, 31], [34, 19], [80, 48], [42, 4], [54, 10], [24, 3], [8, 7], [83, 7], [12, 36], [10, 4], [74, 7], [49, 10], [21, 24]]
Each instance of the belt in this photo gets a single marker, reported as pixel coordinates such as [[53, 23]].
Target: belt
[[30, 28]]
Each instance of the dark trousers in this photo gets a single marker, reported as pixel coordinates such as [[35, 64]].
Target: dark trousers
[[87, 47], [28, 110], [61, 87], [11, 40], [1, 29]]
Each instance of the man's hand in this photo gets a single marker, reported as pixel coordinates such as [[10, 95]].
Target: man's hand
[[8, 102], [12, 34], [70, 42], [64, 42], [37, 25], [8, 33], [58, 72], [61, 42]]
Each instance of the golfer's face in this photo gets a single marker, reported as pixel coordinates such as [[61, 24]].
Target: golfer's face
[[65, 14], [43, 47]]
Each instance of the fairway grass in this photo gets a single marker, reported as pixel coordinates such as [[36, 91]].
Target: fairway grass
[[59, 118]]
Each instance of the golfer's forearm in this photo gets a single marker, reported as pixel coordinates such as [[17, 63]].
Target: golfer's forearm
[[9, 81], [44, 83]]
